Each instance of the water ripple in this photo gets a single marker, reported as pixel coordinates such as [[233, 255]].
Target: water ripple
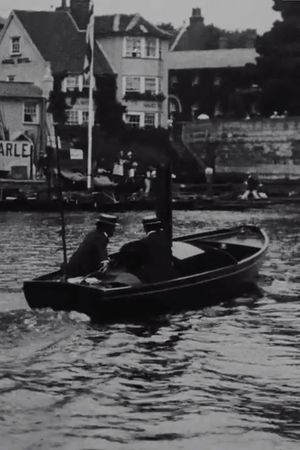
[[225, 377]]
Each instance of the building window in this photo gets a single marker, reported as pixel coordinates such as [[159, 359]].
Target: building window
[[10, 78], [72, 116], [151, 85], [150, 48], [133, 47], [141, 47], [133, 120], [30, 112], [72, 82], [132, 84], [85, 117], [15, 45], [149, 120]]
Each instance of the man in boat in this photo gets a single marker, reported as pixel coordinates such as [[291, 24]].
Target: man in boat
[[157, 263], [127, 264], [91, 255]]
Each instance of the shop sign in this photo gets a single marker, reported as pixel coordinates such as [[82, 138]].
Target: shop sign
[[76, 153], [150, 105], [15, 153]]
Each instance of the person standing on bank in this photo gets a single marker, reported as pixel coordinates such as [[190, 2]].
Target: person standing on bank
[[158, 264], [91, 255]]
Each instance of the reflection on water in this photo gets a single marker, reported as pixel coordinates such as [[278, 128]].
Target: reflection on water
[[225, 377]]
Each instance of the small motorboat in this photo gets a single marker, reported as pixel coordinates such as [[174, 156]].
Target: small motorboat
[[210, 268]]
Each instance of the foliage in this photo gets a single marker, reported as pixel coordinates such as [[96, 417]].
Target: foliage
[[168, 27], [57, 101], [109, 112], [279, 62]]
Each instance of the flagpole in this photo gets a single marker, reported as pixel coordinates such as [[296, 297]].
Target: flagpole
[[90, 33]]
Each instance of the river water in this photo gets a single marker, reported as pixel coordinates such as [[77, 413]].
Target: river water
[[226, 377]]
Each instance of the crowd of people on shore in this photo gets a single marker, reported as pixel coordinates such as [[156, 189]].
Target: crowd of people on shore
[[133, 180]]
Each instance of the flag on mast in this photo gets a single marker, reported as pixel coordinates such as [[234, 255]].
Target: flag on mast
[[89, 53]]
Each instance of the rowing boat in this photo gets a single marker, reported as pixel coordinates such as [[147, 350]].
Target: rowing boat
[[210, 268]]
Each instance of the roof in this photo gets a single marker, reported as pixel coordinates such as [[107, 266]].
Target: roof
[[127, 24], [211, 59], [196, 35], [19, 89], [59, 41]]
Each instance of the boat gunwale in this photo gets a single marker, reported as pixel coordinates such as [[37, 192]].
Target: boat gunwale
[[114, 293]]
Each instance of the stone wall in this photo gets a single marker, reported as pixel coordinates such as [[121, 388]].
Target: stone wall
[[269, 147]]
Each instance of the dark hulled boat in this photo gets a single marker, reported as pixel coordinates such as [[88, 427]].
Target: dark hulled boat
[[211, 267]]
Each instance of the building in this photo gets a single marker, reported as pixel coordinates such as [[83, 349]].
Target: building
[[2, 22], [31, 51], [211, 71], [22, 111], [137, 51]]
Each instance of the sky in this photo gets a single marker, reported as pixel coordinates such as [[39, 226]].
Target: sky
[[228, 14]]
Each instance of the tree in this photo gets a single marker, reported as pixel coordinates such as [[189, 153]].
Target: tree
[[168, 27], [109, 112], [279, 61]]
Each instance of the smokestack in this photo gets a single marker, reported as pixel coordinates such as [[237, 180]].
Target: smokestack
[[63, 6], [196, 16]]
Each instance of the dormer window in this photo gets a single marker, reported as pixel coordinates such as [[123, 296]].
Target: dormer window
[[15, 45]]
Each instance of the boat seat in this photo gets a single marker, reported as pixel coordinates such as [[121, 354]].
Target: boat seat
[[189, 259]]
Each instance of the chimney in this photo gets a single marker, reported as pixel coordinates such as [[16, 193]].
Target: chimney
[[63, 6], [223, 42], [196, 16], [80, 12]]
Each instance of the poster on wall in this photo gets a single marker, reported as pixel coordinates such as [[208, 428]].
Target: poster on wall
[[16, 158]]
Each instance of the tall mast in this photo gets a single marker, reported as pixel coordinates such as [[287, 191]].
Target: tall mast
[[89, 72]]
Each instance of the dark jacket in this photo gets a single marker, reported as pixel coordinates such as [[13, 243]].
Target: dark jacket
[[158, 265], [252, 183], [88, 256]]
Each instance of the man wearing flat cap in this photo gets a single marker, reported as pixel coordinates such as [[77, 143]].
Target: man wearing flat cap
[[91, 255]]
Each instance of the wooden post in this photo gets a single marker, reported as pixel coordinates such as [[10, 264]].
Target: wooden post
[[61, 206], [163, 194]]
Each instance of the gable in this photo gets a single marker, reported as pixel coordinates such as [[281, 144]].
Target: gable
[[127, 24], [59, 41], [28, 49]]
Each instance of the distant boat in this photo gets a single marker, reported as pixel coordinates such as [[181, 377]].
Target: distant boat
[[211, 267]]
